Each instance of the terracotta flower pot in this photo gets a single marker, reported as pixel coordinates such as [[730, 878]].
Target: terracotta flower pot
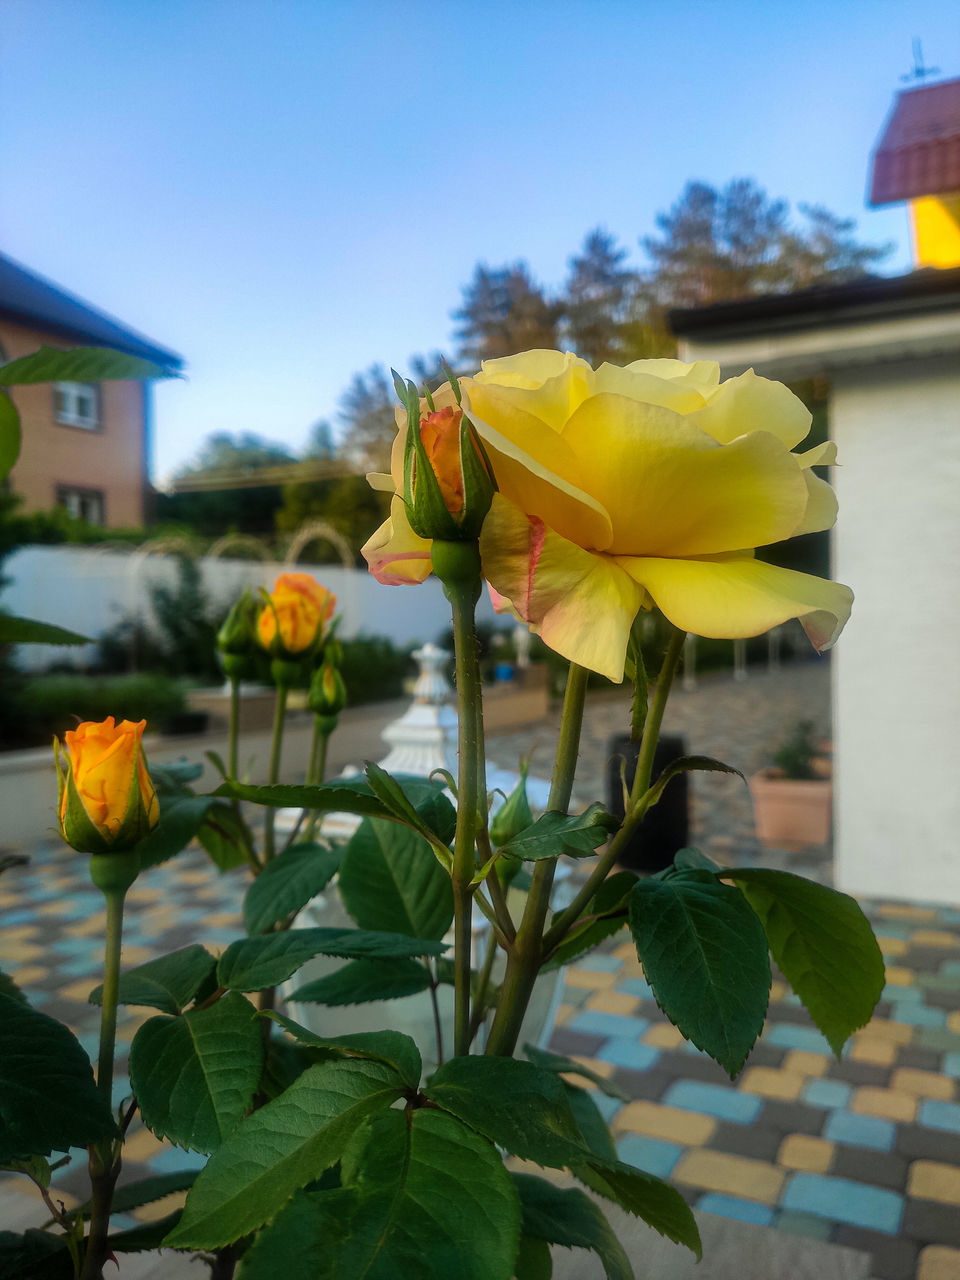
[[790, 813]]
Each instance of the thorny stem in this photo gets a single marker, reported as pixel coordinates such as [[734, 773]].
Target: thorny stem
[[276, 743]]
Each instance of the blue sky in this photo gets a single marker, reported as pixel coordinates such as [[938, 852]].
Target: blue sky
[[286, 191]]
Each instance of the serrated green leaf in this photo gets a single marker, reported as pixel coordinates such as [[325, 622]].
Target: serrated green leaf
[[533, 1260], [194, 1076], [423, 1199], [390, 880], [824, 947], [391, 1047], [9, 988], [35, 1255], [287, 884], [704, 954], [225, 836], [522, 1108], [655, 1201], [134, 1195], [582, 939], [174, 778], [9, 436], [688, 764], [390, 793], [571, 1219], [559, 1064], [143, 1239], [343, 796], [48, 1099], [577, 835], [692, 860], [167, 984], [180, 820], [79, 364], [27, 631], [36, 1168], [252, 964], [280, 1148], [593, 1128], [361, 981]]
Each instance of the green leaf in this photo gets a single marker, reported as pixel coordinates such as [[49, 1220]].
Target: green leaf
[[167, 984], [824, 947], [361, 981], [342, 796], [148, 1190], [655, 1201], [584, 938], [559, 1064], [225, 836], [36, 1168], [252, 964], [390, 880], [143, 1239], [280, 1148], [194, 1076], [174, 778], [533, 1260], [691, 860], [35, 1255], [577, 835], [180, 820], [287, 884], [593, 1128], [9, 988], [390, 1047], [704, 954], [571, 1219], [80, 364], [27, 631], [636, 672], [48, 1099], [9, 435], [688, 764], [295, 1244], [521, 1107], [423, 1199]]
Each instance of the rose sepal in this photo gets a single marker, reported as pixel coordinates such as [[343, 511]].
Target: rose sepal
[[427, 511]]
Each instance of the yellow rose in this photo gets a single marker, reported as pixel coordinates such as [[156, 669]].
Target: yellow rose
[[301, 608], [107, 801], [652, 483]]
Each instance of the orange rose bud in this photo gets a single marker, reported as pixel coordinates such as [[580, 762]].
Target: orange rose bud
[[294, 615], [107, 801], [440, 433]]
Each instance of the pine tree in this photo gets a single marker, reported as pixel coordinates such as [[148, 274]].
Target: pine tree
[[597, 298]]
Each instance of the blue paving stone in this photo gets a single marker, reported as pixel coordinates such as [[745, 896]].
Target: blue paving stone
[[608, 1024], [941, 1115], [919, 1015], [949, 915], [607, 1106], [842, 1200], [636, 987], [902, 995], [78, 1158], [732, 1207], [787, 1035], [624, 1051], [599, 964], [38, 998], [714, 1100], [826, 1093], [82, 967], [890, 929], [951, 1064], [860, 1131], [90, 1043], [83, 904], [73, 946], [174, 1160], [649, 1154], [803, 1224], [27, 916]]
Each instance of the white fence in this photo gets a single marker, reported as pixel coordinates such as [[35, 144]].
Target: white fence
[[90, 591]]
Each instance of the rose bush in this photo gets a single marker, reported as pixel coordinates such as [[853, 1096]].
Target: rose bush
[[623, 488], [295, 614], [107, 802]]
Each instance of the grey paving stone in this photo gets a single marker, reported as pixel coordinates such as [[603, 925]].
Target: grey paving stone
[[917, 1142], [910, 1055], [570, 1042], [859, 1073], [757, 1140], [793, 1117], [645, 1086], [931, 1223], [893, 1258], [881, 1168], [692, 1066]]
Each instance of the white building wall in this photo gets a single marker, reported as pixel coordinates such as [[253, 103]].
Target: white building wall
[[90, 591], [897, 664]]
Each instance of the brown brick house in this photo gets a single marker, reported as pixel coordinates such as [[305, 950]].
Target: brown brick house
[[85, 447]]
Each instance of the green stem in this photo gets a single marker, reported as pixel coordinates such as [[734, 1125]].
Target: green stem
[[483, 984], [233, 741], [276, 744], [638, 803], [525, 958], [317, 764]]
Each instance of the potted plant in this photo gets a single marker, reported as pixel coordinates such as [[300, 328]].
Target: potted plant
[[792, 797]]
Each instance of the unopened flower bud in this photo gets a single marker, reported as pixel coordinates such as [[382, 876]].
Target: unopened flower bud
[[514, 815], [294, 616], [238, 635], [107, 802], [328, 693]]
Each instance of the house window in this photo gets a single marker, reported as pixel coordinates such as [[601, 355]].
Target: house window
[[76, 404], [82, 504]]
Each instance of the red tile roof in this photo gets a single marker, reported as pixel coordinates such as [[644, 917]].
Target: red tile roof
[[919, 151]]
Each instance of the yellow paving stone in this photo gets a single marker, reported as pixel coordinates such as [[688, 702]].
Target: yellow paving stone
[[953, 1021], [18, 932], [938, 1262], [657, 1121], [892, 946], [55, 907], [778, 990], [89, 926], [30, 973], [771, 1082], [900, 977], [898, 1032], [805, 1062], [613, 1002], [800, 1151], [901, 911], [137, 955], [876, 1049], [587, 979], [732, 1175], [663, 1036], [160, 1208], [626, 951], [79, 991], [604, 1069], [935, 938], [221, 920], [23, 951], [922, 1084], [140, 1146], [564, 1013], [930, 1180], [884, 1102]]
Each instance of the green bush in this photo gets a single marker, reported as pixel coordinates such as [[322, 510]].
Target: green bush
[[374, 669], [50, 704]]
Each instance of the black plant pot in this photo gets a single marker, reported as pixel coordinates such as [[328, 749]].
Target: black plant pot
[[666, 827]]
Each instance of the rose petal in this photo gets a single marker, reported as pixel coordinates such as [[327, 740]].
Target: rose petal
[[749, 403], [395, 554]]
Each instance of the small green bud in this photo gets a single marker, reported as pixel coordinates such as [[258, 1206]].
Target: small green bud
[[514, 815], [238, 635], [328, 693]]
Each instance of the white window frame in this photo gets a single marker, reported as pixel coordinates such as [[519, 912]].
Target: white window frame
[[74, 498], [68, 404]]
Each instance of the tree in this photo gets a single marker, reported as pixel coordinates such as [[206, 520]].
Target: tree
[[367, 417], [597, 298], [320, 442], [349, 504], [504, 311], [229, 451]]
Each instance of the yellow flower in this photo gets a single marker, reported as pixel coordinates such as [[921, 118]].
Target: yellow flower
[[107, 801], [650, 484], [301, 608]]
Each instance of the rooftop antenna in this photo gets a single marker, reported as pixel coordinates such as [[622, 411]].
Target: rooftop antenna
[[919, 72]]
